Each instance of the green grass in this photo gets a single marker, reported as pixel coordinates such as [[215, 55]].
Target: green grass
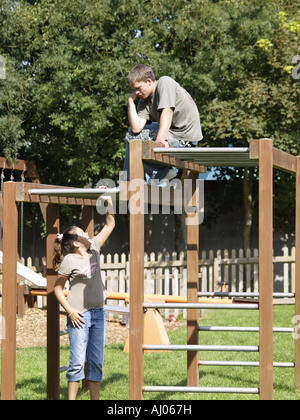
[[169, 368]]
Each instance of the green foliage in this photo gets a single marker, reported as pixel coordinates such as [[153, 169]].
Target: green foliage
[[63, 102]]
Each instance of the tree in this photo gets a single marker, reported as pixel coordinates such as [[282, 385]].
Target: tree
[[63, 102], [235, 60]]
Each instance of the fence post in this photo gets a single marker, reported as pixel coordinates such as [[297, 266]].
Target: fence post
[[233, 271]]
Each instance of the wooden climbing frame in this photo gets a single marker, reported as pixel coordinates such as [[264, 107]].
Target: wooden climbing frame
[[261, 153]]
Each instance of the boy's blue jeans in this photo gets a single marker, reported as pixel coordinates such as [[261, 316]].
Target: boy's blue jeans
[[149, 132], [87, 344]]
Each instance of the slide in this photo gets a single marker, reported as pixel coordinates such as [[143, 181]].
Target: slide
[[27, 276]]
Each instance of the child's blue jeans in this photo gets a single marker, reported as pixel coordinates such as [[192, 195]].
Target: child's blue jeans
[[87, 344]]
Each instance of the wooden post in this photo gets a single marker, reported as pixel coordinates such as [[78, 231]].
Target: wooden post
[[192, 281], [297, 280], [53, 335], [136, 356], [87, 223], [9, 292], [266, 269]]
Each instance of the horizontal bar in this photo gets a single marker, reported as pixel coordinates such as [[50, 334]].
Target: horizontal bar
[[249, 364], [243, 294], [243, 329], [199, 306], [184, 347], [227, 156], [202, 150], [74, 192], [208, 390], [63, 368], [63, 332]]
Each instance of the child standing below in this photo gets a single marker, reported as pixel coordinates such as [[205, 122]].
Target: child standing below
[[76, 258]]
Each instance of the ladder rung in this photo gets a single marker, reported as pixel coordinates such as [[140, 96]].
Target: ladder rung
[[201, 389], [200, 306], [249, 364], [182, 347], [242, 329]]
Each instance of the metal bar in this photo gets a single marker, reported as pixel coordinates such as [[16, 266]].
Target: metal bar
[[210, 156], [63, 368], [243, 294], [199, 306], [249, 364], [244, 329], [74, 192], [208, 390], [202, 150], [183, 347]]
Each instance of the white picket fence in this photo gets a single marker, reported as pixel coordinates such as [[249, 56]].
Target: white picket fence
[[167, 274]]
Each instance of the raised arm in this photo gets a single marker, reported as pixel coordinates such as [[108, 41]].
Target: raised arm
[[109, 226]]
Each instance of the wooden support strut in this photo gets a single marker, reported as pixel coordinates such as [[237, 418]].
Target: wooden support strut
[[192, 282], [9, 292], [297, 282], [136, 357], [53, 344], [266, 269]]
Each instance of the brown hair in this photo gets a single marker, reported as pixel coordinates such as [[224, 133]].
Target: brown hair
[[64, 246], [140, 73]]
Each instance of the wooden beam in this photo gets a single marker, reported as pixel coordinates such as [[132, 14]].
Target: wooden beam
[[20, 165], [29, 170], [284, 161], [281, 160], [136, 356], [266, 269], [9, 292], [87, 223], [192, 282], [23, 194], [149, 154], [53, 334]]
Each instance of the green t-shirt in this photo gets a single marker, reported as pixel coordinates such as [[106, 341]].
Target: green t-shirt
[[86, 287], [169, 94]]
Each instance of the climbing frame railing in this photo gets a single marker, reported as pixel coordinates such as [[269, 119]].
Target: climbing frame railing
[[260, 153]]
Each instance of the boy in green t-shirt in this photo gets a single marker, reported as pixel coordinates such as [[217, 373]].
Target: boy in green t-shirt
[[165, 113]]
